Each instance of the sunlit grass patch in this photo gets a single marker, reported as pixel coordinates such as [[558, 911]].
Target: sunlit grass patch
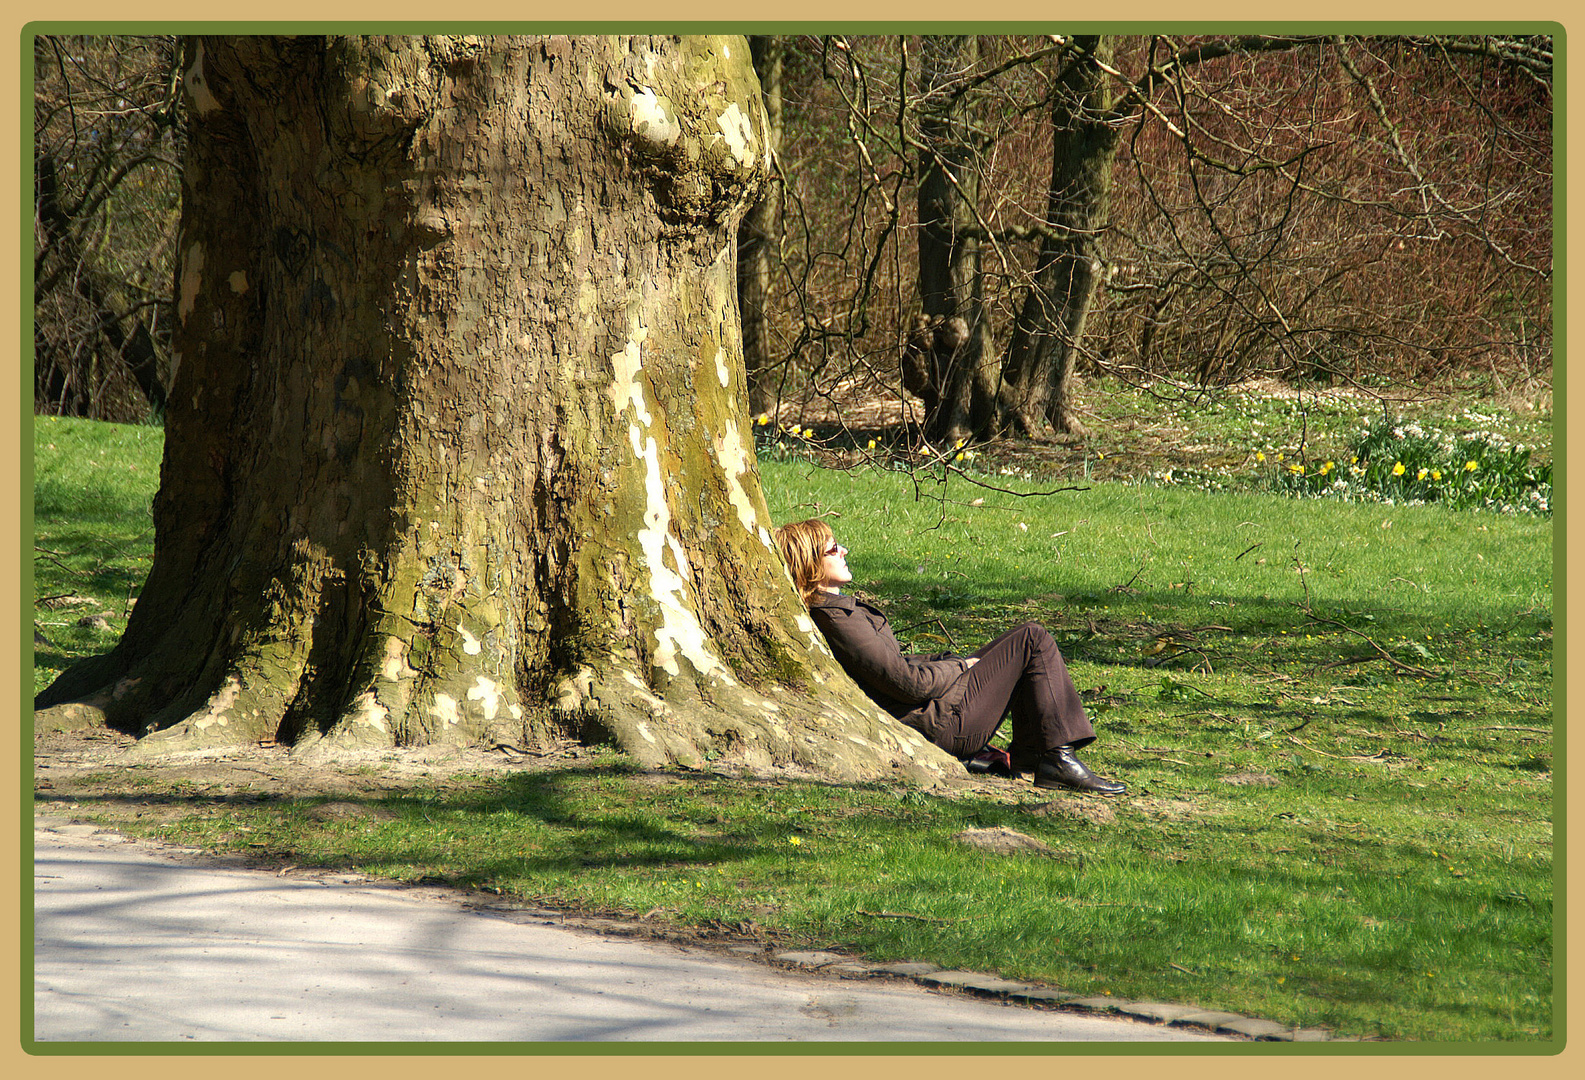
[[93, 536]]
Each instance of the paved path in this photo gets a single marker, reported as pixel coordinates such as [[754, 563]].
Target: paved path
[[133, 944]]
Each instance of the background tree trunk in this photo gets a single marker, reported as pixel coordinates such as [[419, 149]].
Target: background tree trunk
[[105, 196], [457, 447], [760, 235], [1050, 324], [957, 381]]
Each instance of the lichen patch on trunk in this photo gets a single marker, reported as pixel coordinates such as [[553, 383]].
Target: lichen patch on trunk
[[679, 632], [218, 709], [366, 711], [444, 708], [739, 133], [626, 389], [735, 462], [203, 100], [650, 121], [395, 666], [192, 276], [488, 695]]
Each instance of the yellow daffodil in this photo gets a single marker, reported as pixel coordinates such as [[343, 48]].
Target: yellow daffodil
[[1260, 456], [1422, 474], [1436, 474], [1328, 467], [795, 840], [957, 457], [1279, 458], [872, 444], [1470, 466], [1397, 468]]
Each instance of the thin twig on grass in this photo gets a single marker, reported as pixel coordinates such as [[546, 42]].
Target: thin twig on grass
[[1096, 903], [901, 915], [939, 625], [1313, 750], [1127, 586], [1383, 653], [56, 557]]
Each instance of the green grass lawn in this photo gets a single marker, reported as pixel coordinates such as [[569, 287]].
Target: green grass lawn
[[93, 536], [1335, 719]]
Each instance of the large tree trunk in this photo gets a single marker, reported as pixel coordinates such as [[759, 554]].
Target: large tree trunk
[[457, 442], [760, 236], [1044, 345], [955, 378]]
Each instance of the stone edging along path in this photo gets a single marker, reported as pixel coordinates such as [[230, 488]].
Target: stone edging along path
[[1223, 1023], [980, 984]]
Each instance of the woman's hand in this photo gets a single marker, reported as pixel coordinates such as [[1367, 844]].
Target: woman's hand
[[970, 661]]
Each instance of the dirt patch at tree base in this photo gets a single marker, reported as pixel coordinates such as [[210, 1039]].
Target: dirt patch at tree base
[[100, 764], [96, 764]]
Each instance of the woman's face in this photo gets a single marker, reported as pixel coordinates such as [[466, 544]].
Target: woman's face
[[834, 570]]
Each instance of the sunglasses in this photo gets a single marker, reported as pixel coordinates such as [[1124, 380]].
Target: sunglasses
[[835, 549]]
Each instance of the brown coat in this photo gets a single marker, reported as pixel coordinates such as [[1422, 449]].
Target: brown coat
[[917, 690]]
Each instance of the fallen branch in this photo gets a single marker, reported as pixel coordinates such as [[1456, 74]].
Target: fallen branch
[[56, 557], [1384, 654], [1098, 903], [939, 625], [901, 915], [1127, 585], [1313, 750]]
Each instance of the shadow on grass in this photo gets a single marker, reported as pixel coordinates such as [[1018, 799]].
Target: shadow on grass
[[551, 821]]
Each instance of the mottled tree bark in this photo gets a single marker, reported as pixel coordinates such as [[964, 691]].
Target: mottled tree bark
[[1041, 352], [457, 443]]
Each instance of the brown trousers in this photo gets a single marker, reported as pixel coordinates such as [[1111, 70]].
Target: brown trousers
[[1021, 671]]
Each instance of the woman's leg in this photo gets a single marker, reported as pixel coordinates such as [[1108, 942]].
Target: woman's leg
[[1021, 669], [1047, 711], [1024, 669]]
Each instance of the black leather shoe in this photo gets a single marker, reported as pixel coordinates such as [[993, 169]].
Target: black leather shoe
[[992, 761], [1060, 768]]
